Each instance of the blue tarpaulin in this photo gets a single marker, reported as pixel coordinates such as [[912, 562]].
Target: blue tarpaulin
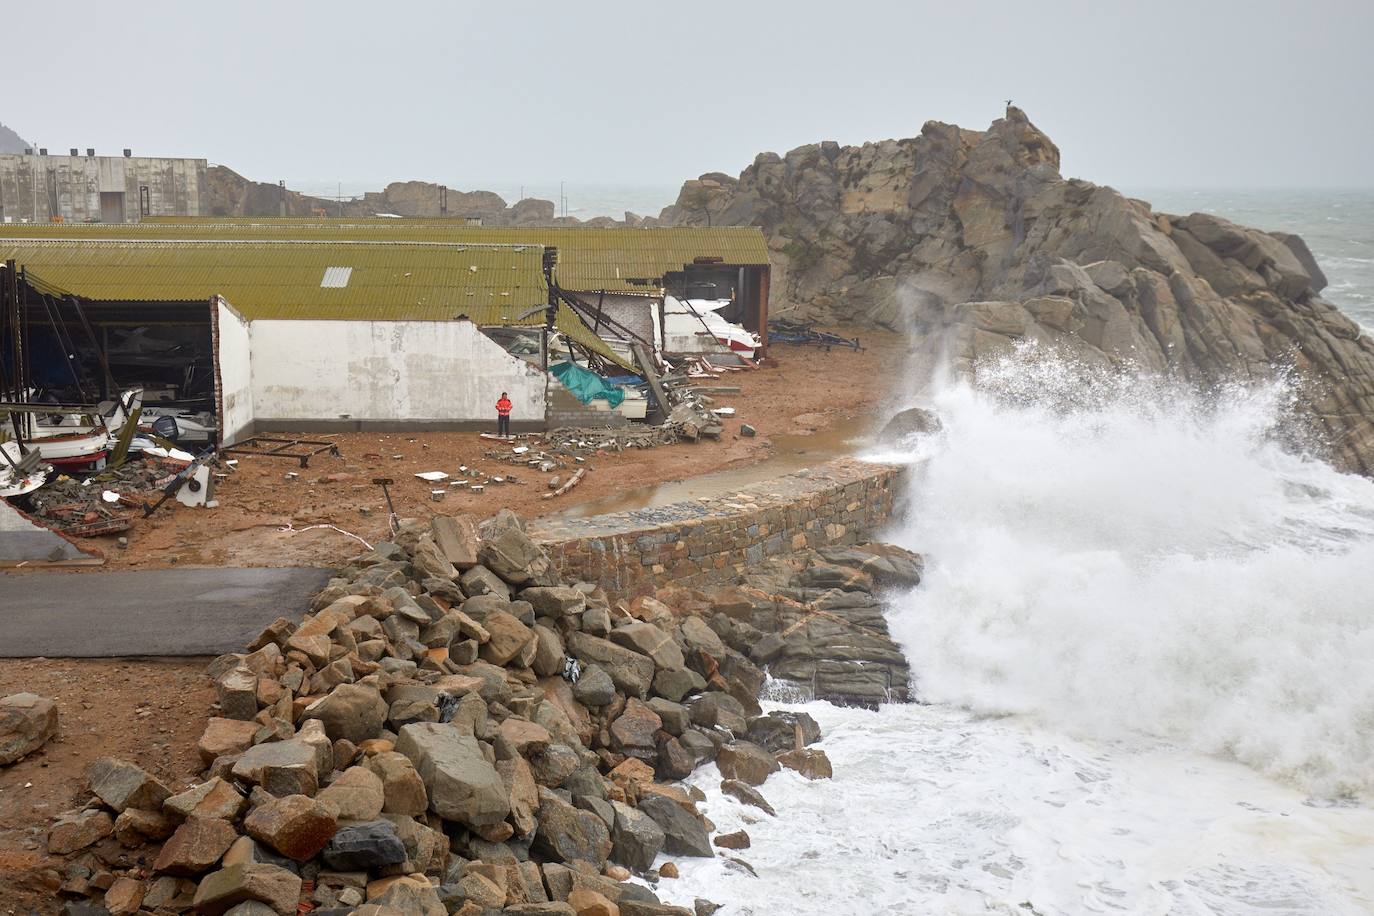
[[586, 384]]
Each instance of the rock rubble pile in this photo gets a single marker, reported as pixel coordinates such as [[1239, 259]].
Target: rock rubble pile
[[451, 729]]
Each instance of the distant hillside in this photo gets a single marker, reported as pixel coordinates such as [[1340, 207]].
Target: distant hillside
[[10, 142]]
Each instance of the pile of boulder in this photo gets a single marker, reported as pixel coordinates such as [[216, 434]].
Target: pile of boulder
[[451, 729], [815, 618]]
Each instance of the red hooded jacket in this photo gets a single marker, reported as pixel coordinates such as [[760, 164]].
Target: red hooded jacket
[[503, 407]]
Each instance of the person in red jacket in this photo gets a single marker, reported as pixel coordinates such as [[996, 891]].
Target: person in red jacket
[[503, 407]]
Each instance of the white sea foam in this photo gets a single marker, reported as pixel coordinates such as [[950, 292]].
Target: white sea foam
[[1122, 558], [1145, 633]]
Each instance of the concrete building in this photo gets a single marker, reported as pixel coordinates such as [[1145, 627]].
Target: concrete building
[[42, 188]]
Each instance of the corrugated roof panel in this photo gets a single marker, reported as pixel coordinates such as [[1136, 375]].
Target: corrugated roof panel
[[613, 259], [265, 279]]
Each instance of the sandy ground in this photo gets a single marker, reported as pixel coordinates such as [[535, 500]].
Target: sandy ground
[[153, 711], [808, 391], [149, 711]]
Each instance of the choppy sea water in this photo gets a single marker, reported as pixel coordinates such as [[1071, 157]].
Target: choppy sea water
[[1337, 225], [1143, 641]]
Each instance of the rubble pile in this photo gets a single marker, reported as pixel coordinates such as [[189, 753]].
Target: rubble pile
[[451, 729], [79, 506]]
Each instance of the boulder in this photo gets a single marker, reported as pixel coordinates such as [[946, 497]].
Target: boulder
[[137, 826], [524, 738], [747, 762], [297, 826], [355, 712], [508, 637], [554, 601], [636, 837], [403, 791], [121, 785], [306, 751], [479, 580], [736, 840], [195, 847], [777, 731], [698, 635], [587, 902], [647, 639], [567, 834], [633, 731], [684, 834], [522, 792], [461, 784], [903, 428], [430, 562], [747, 794], [511, 554], [124, 897], [549, 656], [457, 539], [237, 689], [224, 738], [594, 688], [77, 830], [219, 891], [356, 795], [630, 671], [365, 846], [810, 762], [27, 722]]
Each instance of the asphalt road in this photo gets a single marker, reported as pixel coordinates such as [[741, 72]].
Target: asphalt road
[[147, 613]]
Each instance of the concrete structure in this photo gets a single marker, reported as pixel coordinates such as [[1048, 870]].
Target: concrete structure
[[109, 189], [712, 540], [312, 375]]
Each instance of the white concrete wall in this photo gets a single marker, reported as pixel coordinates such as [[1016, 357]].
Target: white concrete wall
[[443, 371], [234, 373]]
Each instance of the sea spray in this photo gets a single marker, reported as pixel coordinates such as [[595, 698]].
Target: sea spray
[[1123, 557], [1140, 607]]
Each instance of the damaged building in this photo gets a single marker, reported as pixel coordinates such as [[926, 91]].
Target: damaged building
[[36, 187], [278, 325]]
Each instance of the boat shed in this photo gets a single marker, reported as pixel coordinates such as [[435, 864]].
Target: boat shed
[[301, 334], [617, 276]]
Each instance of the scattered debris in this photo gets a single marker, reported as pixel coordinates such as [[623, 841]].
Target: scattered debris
[[573, 481], [785, 330], [300, 449]]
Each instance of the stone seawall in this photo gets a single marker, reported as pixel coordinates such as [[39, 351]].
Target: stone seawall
[[715, 539]]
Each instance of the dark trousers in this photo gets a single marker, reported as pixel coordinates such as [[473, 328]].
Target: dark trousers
[[503, 425]]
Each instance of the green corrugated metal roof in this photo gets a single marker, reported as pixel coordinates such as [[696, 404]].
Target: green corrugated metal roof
[[388, 280], [613, 259], [263, 279]]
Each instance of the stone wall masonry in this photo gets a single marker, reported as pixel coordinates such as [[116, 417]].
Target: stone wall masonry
[[715, 539]]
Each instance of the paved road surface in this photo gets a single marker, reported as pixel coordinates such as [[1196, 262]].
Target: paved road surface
[[151, 612]]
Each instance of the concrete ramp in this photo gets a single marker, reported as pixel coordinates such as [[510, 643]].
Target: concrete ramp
[[25, 543], [156, 612]]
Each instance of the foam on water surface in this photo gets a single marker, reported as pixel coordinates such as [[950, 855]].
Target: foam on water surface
[[1145, 633]]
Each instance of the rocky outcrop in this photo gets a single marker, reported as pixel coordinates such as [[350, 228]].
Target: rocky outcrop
[[229, 194], [973, 241]]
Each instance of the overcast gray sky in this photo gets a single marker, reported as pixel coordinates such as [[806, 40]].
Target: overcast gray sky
[[1164, 93]]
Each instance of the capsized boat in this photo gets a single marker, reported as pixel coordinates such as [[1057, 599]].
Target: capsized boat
[[79, 440]]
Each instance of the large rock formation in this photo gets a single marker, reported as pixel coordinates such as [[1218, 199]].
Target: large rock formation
[[973, 240], [232, 195]]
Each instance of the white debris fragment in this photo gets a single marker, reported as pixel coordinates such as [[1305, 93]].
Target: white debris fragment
[[432, 476]]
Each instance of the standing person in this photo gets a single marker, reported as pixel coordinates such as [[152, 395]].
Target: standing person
[[503, 407]]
